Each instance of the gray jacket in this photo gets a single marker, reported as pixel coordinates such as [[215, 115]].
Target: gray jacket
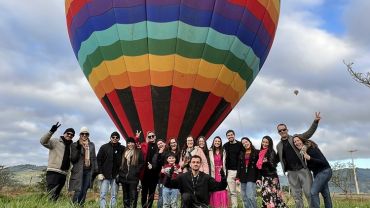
[[306, 135], [56, 151], [77, 159]]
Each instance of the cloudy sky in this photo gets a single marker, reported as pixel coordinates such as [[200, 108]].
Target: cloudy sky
[[41, 81]]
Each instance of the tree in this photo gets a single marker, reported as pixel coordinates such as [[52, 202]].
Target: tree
[[342, 177], [6, 178], [357, 76], [42, 185]]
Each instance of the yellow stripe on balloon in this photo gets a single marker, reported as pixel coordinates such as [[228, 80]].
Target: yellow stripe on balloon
[[193, 75]]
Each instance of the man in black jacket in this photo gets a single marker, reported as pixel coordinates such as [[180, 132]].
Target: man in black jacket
[[232, 148], [195, 186], [109, 160]]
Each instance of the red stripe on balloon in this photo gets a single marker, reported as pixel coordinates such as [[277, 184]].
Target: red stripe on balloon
[[258, 10], [143, 102], [207, 110], [118, 108], [219, 121], [178, 105], [74, 8], [123, 132]]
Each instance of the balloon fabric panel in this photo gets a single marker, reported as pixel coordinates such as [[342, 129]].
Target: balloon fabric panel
[[176, 67]]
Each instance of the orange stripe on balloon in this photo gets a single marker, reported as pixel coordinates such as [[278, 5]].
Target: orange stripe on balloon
[[203, 84], [161, 79]]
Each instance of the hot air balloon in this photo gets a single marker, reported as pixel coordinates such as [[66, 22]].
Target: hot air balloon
[[175, 67], [296, 92]]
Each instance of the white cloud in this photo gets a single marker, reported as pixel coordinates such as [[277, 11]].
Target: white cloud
[[356, 21]]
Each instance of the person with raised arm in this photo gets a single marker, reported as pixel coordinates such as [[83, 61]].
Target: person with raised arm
[[195, 186]]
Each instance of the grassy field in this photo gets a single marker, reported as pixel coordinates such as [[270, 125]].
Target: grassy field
[[25, 198]]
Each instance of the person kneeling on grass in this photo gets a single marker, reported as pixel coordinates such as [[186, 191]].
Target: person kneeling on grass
[[195, 186]]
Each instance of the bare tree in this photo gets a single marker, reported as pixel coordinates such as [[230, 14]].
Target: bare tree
[[342, 177], [6, 178], [358, 76]]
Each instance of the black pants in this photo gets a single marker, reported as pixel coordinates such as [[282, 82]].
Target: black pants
[[130, 194], [55, 183], [148, 186], [188, 200]]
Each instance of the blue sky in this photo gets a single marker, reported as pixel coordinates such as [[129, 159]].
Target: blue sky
[[41, 81]]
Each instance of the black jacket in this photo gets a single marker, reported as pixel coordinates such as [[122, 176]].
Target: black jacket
[[269, 167], [317, 162], [203, 185], [105, 160], [252, 172], [130, 174], [158, 161]]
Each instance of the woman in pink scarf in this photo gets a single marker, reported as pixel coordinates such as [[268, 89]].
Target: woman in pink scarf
[[268, 178]]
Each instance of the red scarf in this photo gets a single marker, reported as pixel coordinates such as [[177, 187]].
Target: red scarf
[[261, 155]]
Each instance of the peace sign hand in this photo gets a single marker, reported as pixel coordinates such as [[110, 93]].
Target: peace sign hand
[[55, 127], [317, 116], [137, 134]]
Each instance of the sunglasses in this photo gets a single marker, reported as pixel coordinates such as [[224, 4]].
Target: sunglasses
[[151, 136], [70, 134], [281, 130], [115, 137], [84, 134]]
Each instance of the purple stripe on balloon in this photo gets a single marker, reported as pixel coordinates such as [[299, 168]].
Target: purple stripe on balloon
[[99, 7]]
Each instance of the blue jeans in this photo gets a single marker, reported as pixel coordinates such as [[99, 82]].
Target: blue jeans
[[104, 188], [170, 197], [320, 185], [160, 196], [248, 191], [80, 196]]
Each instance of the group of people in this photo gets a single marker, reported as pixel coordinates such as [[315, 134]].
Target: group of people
[[202, 177]]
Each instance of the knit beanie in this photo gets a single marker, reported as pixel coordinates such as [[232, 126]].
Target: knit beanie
[[115, 134], [71, 130]]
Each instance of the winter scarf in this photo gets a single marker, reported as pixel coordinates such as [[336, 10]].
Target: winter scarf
[[261, 155]]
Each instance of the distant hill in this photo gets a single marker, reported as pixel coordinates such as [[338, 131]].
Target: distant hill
[[26, 174], [363, 178], [26, 167]]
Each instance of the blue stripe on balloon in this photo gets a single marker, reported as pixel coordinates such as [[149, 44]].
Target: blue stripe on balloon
[[193, 17], [98, 7]]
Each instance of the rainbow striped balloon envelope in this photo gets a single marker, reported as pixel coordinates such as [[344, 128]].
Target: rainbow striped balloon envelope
[[175, 67]]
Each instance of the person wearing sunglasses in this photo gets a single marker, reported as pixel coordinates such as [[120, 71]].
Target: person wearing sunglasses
[[85, 165], [291, 160], [148, 175], [57, 170], [109, 160]]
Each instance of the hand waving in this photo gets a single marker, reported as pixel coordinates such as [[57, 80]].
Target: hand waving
[[55, 127]]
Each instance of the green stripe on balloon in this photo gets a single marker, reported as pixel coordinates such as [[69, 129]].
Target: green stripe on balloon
[[166, 47], [171, 30]]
